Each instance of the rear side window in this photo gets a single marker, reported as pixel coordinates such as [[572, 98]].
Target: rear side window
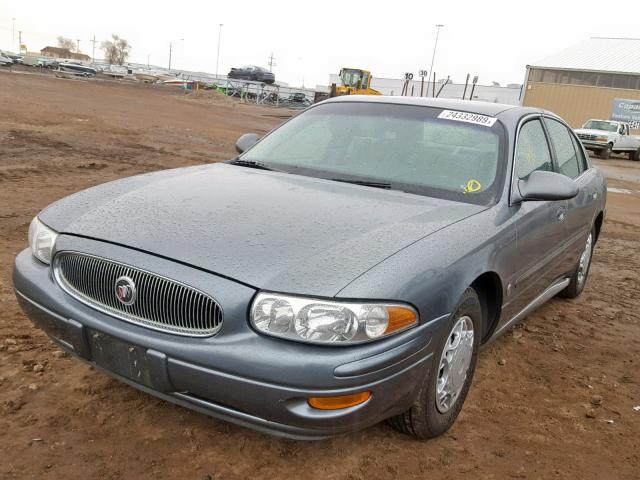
[[532, 152], [565, 151], [582, 159]]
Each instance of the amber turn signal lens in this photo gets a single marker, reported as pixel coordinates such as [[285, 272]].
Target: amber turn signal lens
[[400, 318], [342, 401]]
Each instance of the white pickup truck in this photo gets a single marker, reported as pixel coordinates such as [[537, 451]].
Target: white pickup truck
[[607, 136]]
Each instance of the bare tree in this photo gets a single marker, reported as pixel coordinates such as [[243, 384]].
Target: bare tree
[[116, 50], [67, 43]]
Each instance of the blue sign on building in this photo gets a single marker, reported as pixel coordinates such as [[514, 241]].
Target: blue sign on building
[[625, 110]]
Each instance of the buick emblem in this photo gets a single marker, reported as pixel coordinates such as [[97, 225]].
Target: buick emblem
[[125, 290]]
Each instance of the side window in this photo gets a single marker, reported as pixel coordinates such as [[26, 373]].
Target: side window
[[532, 152], [565, 151]]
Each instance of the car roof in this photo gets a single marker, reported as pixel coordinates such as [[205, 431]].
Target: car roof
[[472, 106]]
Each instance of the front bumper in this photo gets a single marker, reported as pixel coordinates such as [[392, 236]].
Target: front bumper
[[236, 375], [593, 145]]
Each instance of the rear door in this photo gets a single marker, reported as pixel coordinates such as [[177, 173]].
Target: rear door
[[581, 209], [539, 224]]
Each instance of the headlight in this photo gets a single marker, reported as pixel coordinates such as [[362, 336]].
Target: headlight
[[322, 321], [41, 240]]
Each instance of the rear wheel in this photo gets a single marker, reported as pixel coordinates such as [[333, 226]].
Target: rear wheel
[[580, 274], [442, 394], [635, 155], [606, 152]]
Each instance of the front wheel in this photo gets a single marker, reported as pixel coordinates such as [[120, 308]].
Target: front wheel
[[442, 394], [606, 151], [579, 278]]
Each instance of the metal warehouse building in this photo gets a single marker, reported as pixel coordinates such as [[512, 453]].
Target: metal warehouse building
[[598, 78]]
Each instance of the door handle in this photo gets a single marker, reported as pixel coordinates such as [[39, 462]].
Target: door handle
[[560, 214], [594, 195]]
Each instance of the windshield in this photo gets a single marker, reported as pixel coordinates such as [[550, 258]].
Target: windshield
[[400, 147], [601, 125]]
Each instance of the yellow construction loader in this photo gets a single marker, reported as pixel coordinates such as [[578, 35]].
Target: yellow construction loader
[[354, 81]]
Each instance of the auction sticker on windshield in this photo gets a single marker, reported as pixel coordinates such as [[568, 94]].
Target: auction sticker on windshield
[[468, 117]]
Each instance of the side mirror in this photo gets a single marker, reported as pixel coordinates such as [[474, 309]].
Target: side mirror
[[246, 141], [541, 185]]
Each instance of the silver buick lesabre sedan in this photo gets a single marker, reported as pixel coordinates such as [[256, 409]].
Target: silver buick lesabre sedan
[[343, 270]]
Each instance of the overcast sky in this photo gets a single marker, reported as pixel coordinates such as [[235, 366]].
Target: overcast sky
[[310, 40]]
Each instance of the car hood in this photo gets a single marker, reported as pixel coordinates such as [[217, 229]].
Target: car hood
[[270, 230], [590, 131]]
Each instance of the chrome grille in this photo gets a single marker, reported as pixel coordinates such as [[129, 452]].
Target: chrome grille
[[586, 136], [160, 303]]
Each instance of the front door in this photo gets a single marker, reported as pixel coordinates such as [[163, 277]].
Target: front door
[[539, 224]]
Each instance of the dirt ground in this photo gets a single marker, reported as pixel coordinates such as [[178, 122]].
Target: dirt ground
[[525, 417]]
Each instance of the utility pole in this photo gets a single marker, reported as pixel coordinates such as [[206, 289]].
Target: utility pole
[[170, 47], [93, 52], [272, 62], [19, 41], [148, 56], [78, 45], [13, 32], [435, 45], [218, 57]]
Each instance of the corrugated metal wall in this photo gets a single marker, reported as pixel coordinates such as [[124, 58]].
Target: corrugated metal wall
[[575, 103]]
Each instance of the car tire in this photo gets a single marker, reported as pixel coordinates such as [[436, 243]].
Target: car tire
[[431, 414], [579, 277], [635, 156], [606, 152]]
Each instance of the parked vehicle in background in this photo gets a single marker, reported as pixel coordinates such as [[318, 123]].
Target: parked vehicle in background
[[296, 100], [77, 68], [13, 56], [605, 137], [252, 72], [343, 270], [34, 60], [114, 71], [5, 61], [51, 63]]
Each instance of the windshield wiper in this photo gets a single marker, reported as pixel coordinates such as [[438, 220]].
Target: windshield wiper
[[252, 164], [366, 183]]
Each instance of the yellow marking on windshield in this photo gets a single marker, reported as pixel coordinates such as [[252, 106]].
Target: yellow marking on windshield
[[472, 186]]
